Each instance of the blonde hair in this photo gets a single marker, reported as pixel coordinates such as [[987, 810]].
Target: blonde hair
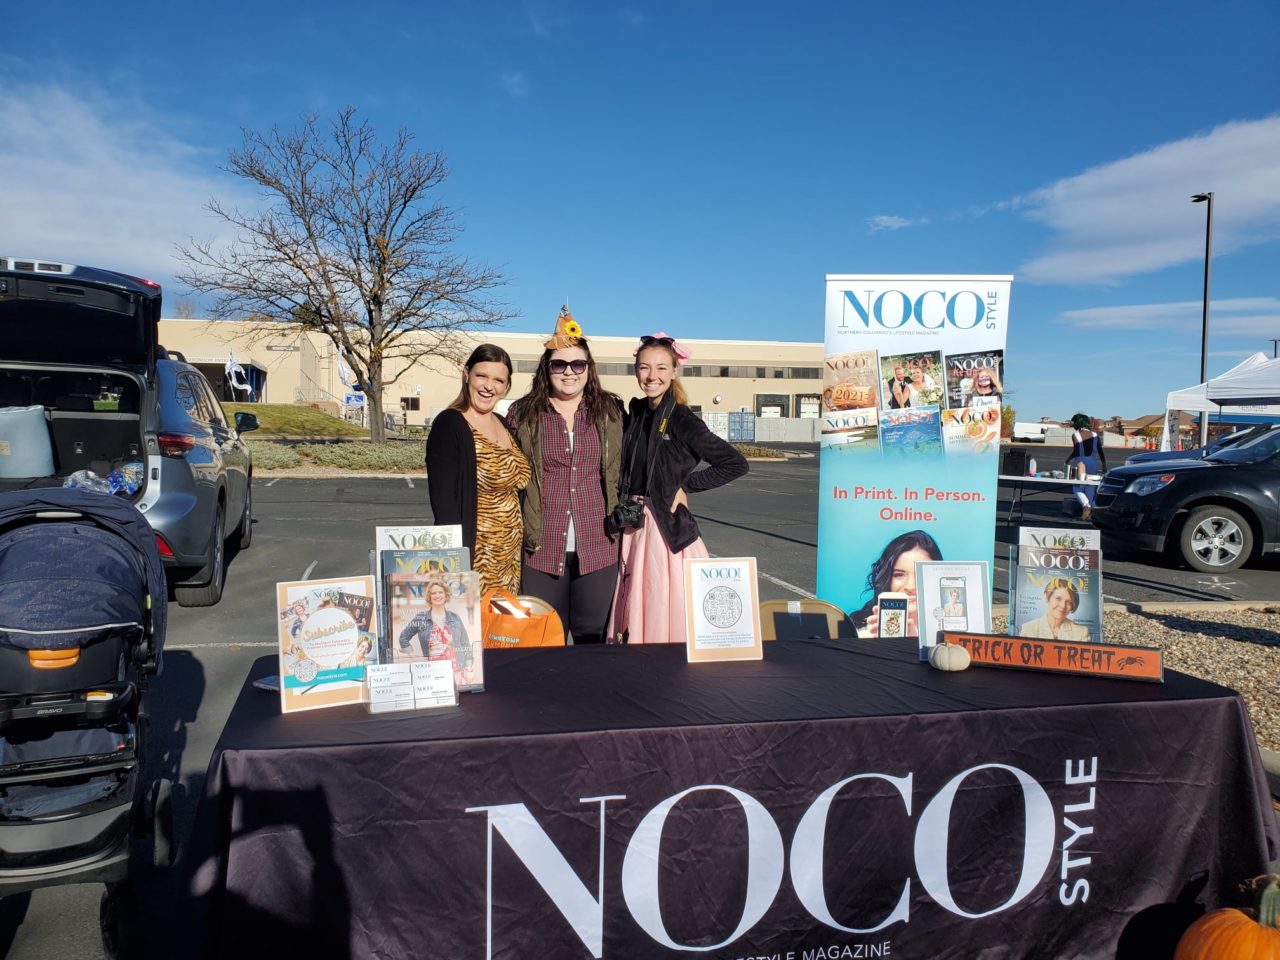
[[676, 388]]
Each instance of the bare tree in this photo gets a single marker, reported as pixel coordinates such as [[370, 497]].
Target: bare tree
[[351, 244], [184, 309]]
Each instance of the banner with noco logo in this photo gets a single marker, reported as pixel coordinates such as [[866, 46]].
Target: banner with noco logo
[[911, 408]]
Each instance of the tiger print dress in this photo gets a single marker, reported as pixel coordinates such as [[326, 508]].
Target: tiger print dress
[[501, 474]]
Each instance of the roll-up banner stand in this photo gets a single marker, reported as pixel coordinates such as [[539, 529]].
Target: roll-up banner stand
[[911, 405]]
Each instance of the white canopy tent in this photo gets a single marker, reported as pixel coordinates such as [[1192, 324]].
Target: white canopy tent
[[1197, 399], [1255, 389]]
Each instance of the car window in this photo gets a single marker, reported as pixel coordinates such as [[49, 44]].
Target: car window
[[216, 413], [186, 396], [1256, 450]]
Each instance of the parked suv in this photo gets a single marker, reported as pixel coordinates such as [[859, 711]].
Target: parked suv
[[79, 350], [1216, 512], [1199, 453]]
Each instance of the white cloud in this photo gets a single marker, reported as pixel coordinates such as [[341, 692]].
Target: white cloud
[[515, 83], [102, 183], [889, 222], [1135, 215], [1240, 317]]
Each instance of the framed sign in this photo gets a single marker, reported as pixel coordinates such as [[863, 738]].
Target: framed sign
[[722, 610], [951, 596]]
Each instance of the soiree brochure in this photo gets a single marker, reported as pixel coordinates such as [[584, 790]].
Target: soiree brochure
[[951, 596], [1058, 585], [327, 632], [436, 616], [722, 612]]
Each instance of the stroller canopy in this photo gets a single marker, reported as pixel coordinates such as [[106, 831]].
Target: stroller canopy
[[74, 560]]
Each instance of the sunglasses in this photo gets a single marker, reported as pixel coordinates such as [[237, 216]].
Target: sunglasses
[[560, 366], [659, 341]]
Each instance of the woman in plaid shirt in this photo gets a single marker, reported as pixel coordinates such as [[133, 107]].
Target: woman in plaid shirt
[[570, 430]]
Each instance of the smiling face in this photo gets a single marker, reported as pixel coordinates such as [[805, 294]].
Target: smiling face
[[917, 377], [437, 595], [983, 381], [568, 384], [1060, 605], [655, 369], [904, 571], [487, 382]]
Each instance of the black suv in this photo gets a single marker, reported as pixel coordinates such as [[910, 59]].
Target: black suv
[[84, 386], [1219, 511]]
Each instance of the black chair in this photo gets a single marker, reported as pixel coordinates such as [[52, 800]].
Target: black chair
[[804, 620]]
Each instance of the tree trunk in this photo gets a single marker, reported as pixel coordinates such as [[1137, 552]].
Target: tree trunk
[[373, 400]]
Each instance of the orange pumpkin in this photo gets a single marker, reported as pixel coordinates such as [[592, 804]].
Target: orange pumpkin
[[1229, 933]]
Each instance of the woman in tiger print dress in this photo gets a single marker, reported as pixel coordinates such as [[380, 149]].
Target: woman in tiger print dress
[[475, 472]]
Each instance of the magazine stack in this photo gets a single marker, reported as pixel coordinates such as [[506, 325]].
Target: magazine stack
[[1057, 585]]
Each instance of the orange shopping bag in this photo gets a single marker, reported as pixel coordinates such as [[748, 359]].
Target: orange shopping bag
[[509, 621]]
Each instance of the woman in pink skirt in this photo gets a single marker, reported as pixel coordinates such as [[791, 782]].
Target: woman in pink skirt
[[663, 444]]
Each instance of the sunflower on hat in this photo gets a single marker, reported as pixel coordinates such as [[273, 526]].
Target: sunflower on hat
[[567, 333]]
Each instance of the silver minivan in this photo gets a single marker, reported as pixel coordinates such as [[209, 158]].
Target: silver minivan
[[79, 351]]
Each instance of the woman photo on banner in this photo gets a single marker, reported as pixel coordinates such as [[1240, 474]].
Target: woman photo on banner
[[663, 444], [895, 572], [475, 471], [570, 430]]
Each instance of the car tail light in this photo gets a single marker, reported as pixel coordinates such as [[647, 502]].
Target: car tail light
[[164, 548], [176, 444]]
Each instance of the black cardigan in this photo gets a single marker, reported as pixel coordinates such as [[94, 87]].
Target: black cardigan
[[672, 462], [451, 472]]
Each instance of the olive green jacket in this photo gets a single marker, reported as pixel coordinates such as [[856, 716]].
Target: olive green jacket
[[529, 439]]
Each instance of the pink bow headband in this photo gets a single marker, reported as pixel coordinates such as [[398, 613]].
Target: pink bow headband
[[661, 339]]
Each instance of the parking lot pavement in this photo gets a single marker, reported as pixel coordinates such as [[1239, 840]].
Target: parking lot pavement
[[314, 528]]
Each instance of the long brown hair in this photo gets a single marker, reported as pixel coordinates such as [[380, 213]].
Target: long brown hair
[[599, 403], [676, 388], [485, 353]]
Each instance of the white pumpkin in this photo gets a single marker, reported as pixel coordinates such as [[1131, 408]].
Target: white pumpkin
[[950, 657]]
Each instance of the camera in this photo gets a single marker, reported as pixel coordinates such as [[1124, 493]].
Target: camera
[[627, 515]]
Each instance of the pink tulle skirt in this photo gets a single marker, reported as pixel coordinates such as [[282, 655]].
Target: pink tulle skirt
[[648, 603]]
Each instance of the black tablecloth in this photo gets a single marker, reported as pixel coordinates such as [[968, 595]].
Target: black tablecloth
[[835, 799]]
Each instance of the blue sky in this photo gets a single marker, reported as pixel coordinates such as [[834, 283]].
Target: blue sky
[[700, 166]]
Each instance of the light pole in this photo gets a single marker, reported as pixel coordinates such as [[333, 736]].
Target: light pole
[[1204, 320]]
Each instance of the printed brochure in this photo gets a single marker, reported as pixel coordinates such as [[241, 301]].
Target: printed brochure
[[327, 636], [436, 616]]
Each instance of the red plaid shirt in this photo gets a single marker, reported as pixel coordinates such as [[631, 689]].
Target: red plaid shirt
[[572, 487]]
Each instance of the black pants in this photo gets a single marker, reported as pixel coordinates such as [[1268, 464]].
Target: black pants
[[582, 601]]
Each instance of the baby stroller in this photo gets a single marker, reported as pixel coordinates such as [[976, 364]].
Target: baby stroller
[[82, 622]]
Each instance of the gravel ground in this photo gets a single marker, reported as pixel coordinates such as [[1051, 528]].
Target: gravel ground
[[1237, 648]]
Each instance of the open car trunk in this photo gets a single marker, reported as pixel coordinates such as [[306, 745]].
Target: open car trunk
[[55, 421]]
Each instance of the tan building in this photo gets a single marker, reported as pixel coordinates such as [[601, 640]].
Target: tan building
[[765, 377]]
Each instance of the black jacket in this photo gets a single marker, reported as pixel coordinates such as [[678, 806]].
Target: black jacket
[[451, 473], [672, 462]]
